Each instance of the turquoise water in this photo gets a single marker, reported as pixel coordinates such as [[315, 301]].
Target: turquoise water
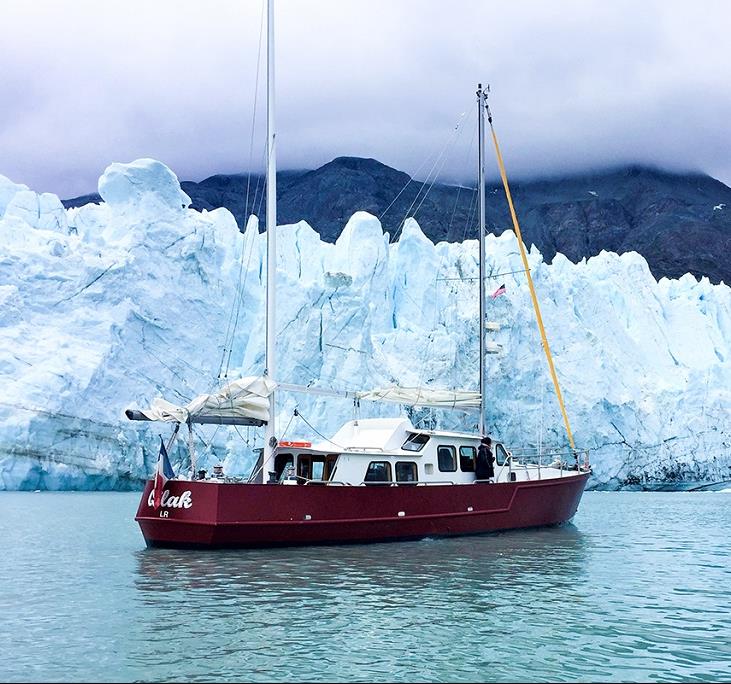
[[637, 588]]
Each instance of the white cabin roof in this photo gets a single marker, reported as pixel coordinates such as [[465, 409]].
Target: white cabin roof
[[378, 434]]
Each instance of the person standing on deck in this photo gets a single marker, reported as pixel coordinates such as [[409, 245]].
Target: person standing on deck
[[484, 469]]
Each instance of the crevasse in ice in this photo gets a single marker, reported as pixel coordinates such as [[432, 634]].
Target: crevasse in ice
[[106, 306]]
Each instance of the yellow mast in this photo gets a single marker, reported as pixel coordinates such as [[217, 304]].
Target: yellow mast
[[524, 257]]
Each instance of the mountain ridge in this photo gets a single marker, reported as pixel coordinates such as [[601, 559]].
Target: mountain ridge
[[680, 222]]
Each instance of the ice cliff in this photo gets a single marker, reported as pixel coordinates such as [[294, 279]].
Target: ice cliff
[[108, 305]]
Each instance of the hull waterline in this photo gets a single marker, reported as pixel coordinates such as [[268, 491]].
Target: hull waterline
[[209, 514]]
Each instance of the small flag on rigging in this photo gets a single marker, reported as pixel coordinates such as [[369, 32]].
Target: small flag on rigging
[[498, 292], [163, 473]]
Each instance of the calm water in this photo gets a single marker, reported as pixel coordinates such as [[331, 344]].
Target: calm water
[[638, 588]]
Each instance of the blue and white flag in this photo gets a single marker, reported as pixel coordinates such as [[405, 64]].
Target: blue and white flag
[[163, 473]]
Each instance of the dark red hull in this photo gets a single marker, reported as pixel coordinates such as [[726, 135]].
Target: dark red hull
[[248, 515]]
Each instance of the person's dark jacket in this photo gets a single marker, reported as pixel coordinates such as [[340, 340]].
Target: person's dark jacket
[[484, 468]]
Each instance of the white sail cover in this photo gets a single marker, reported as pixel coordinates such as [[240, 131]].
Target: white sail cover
[[421, 396], [243, 398]]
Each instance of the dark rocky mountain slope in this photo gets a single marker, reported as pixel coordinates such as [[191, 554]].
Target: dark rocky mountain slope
[[680, 222]]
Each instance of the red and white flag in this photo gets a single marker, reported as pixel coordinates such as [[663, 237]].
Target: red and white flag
[[499, 291]]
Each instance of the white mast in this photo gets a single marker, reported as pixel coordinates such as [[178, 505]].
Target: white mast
[[481, 183], [271, 220]]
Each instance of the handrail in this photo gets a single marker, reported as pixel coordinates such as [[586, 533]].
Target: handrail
[[508, 463], [364, 450]]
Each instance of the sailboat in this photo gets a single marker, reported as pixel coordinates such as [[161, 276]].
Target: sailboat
[[376, 479]]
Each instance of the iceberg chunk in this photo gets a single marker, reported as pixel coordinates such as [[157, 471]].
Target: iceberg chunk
[[145, 186]]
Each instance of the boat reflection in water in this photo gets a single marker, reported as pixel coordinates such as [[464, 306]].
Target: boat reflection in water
[[455, 609], [521, 556]]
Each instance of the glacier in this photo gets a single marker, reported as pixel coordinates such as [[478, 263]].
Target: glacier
[[106, 306]]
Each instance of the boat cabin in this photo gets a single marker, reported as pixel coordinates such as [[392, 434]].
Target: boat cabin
[[382, 451]]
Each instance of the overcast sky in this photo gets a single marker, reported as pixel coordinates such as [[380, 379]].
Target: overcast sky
[[575, 85]]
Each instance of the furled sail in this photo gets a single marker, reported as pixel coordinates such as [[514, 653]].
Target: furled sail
[[421, 396], [241, 402]]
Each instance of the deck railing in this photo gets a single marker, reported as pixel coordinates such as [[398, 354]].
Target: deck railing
[[511, 464]]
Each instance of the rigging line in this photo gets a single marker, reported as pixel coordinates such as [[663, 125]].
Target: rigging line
[[411, 179], [471, 209], [473, 206], [235, 306], [175, 373], [255, 473], [169, 353], [200, 437], [253, 115], [473, 139], [255, 199], [447, 144], [263, 179], [491, 275], [317, 432], [182, 361], [158, 385], [245, 440], [260, 182], [228, 337], [406, 185], [437, 310], [440, 157], [438, 172], [330, 389], [454, 212], [431, 337], [291, 418], [209, 446], [471, 215], [239, 303]]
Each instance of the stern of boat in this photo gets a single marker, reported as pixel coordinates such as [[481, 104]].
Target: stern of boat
[[186, 516]]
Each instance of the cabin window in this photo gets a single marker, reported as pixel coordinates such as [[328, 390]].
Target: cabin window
[[501, 456], [406, 471], [447, 459], [415, 442], [318, 468], [467, 456], [378, 471], [304, 467], [331, 461], [315, 468], [281, 462]]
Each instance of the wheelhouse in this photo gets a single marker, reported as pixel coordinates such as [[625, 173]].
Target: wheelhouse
[[383, 452]]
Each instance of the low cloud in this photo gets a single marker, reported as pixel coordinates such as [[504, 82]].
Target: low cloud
[[575, 85]]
